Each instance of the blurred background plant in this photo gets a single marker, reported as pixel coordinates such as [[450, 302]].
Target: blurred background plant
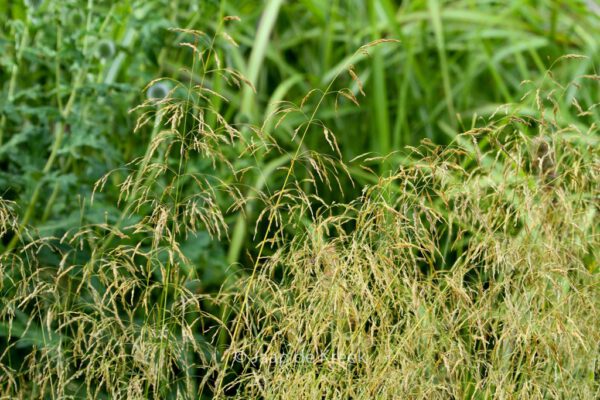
[[216, 137]]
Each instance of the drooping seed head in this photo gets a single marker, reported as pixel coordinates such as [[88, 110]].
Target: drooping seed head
[[105, 49]]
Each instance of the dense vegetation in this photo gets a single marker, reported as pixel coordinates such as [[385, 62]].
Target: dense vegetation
[[361, 199]]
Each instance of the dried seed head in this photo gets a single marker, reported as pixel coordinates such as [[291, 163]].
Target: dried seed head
[[158, 91], [105, 49]]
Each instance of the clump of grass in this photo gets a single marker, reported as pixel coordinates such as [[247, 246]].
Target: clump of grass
[[468, 272], [116, 311]]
